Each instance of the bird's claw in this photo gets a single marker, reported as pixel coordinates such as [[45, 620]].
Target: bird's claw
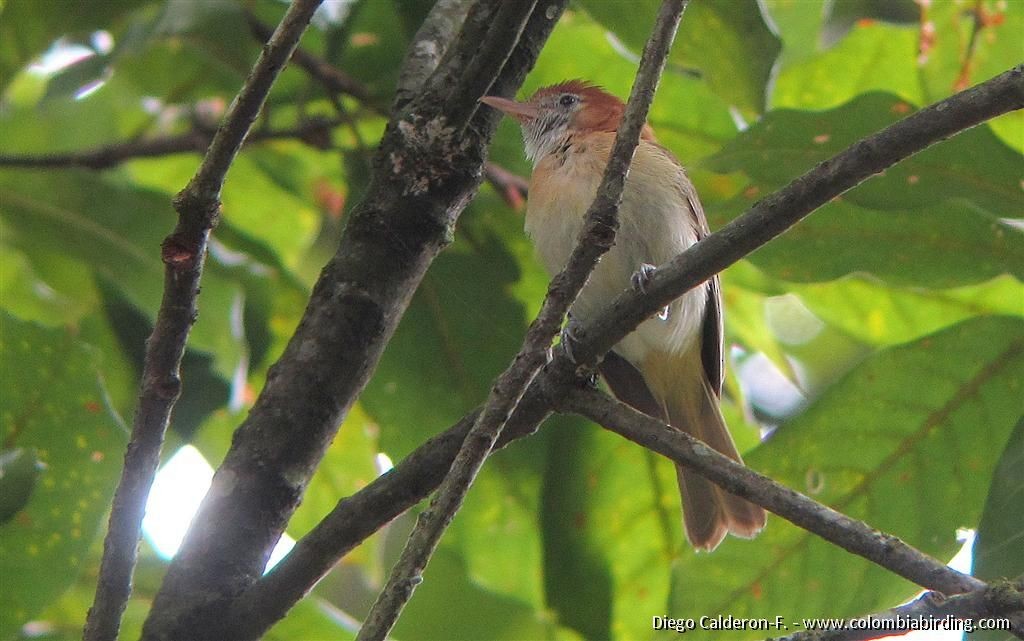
[[641, 277], [569, 339], [639, 282]]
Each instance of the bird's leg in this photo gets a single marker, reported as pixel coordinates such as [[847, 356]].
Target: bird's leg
[[639, 282]]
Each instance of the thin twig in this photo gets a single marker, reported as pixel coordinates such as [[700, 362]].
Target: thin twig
[[511, 187], [312, 131], [183, 253], [595, 239], [415, 477], [333, 79], [931, 611], [837, 528]]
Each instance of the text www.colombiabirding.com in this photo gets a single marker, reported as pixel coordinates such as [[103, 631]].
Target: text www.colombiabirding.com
[[888, 624]]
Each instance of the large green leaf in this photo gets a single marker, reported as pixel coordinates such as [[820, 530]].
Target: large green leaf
[[28, 28], [728, 42], [52, 401], [948, 244], [872, 57], [482, 614], [885, 315], [999, 546], [921, 63], [907, 441], [975, 165], [116, 232]]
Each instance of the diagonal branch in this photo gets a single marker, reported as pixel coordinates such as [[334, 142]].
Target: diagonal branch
[[1002, 602], [413, 479], [595, 239], [183, 254], [837, 528], [333, 79]]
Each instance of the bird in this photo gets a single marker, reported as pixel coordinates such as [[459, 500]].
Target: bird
[[671, 366]]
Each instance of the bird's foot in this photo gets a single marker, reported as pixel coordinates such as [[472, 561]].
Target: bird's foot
[[641, 277], [639, 282], [570, 338]]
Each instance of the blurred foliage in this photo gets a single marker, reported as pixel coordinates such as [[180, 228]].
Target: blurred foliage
[[893, 316]]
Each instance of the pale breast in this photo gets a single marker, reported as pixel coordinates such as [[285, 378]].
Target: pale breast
[[655, 225]]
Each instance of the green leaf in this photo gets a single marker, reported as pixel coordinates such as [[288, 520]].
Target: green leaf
[[999, 546], [842, 14], [946, 245], [459, 333], [871, 58], [726, 41], [19, 469], [611, 526], [577, 578], [312, 619], [975, 165], [799, 28], [907, 441], [57, 406], [28, 28], [482, 613], [885, 315], [115, 231]]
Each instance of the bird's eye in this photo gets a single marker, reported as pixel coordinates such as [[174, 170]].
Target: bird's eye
[[567, 100]]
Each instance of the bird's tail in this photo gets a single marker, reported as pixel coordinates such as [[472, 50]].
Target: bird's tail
[[709, 512]]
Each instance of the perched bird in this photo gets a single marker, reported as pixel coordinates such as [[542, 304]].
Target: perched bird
[[671, 366]]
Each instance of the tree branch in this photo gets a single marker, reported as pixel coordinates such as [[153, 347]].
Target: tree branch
[[837, 528], [1003, 601], [429, 46], [197, 140], [183, 253], [425, 171], [413, 479], [595, 239], [333, 79]]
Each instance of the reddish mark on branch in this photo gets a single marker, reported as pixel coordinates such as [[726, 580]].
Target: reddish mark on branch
[[176, 253], [92, 407]]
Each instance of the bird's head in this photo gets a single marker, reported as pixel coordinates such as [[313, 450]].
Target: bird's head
[[554, 114]]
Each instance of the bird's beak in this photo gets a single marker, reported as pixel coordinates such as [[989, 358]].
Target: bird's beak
[[521, 111]]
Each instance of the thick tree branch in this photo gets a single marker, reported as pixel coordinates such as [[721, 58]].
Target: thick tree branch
[[425, 171], [596, 238], [997, 601], [429, 46], [183, 254], [414, 478], [837, 528]]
